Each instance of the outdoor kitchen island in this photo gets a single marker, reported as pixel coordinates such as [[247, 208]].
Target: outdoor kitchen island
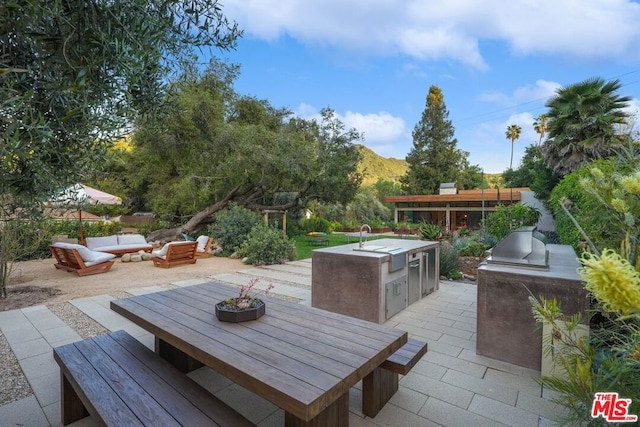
[[375, 280]]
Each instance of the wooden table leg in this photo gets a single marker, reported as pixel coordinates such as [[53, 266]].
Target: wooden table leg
[[377, 389], [177, 358], [335, 415]]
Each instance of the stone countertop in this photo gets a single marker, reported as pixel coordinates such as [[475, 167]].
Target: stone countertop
[[410, 246]]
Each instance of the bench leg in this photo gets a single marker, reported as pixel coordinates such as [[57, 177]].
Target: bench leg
[[71, 407], [335, 415], [377, 389], [177, 358]]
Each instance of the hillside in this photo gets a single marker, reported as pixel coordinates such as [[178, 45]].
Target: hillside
[[375, 167]]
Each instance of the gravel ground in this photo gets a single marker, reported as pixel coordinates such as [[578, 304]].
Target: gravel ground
[[84, 325], [13, 383]]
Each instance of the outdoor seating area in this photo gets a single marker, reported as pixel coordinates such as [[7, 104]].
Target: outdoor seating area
[[310, 358], [175, 253], [449, 385], [97, 256], [119, 244], [80, 260]]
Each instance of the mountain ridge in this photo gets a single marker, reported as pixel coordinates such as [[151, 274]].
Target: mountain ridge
[[375, 167]]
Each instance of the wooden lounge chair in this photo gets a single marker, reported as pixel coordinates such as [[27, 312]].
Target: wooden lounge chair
[[204, 246], [80, 260], [175, 253]]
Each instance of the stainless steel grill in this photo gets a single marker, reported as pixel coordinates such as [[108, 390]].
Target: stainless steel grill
[[523, 247]]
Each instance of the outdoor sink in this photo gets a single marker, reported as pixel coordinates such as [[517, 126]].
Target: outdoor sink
[[370, 248], [398, 255], [378, 249]]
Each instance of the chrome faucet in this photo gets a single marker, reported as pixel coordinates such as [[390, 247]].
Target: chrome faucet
[[361, 244]]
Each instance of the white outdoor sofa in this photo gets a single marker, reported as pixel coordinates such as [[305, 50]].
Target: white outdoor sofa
[[119, 244]]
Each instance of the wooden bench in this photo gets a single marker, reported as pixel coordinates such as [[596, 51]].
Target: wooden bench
[[70, 260], [176, 253], [382, 383], [119, 381]]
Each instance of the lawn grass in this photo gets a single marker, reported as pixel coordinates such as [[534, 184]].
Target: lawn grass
[[304, 248]]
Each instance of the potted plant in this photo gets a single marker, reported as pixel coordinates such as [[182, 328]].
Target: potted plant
[[243, 307]]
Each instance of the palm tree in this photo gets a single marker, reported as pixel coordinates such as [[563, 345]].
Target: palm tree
[[583, 118], [512, 133], [540, 126]]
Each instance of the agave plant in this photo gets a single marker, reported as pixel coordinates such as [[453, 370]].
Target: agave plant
[[430, 231]]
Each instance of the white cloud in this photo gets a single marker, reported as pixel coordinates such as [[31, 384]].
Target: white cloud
[[307, 111], [383, 133], [633, 110], [592, 30], [488, 144], [538, 92]]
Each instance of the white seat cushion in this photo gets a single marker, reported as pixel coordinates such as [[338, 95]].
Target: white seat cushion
[[96, 242], [131, 239], [162, 253], [202, 243], [98, 258], [88, 256]]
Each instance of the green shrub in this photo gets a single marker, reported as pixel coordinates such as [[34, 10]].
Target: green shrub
[[475, 245], [376, 223], [463, 232], [265, 246], [335, 225], [430, 231], [468, 247], [316, 224], [101, 228], [589, 212], [232, 227], [507, 218], [27, 239], [294, 228], [91, 229], [449, 258]]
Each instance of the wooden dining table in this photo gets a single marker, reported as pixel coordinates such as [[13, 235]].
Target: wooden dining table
[[302, 359]]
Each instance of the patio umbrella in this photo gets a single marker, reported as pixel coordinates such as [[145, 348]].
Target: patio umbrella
[[81, 195]]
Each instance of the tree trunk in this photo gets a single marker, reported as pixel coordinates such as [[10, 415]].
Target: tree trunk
[[194, 224]]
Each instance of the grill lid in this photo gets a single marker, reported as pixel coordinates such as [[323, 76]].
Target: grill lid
[[523, 247]]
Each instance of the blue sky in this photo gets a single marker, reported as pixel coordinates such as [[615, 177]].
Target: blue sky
[[373, 61]]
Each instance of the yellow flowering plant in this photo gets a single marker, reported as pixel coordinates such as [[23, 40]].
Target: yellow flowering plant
[[608, 360]]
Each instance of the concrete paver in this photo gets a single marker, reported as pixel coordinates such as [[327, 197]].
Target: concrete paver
[[450, 386]]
